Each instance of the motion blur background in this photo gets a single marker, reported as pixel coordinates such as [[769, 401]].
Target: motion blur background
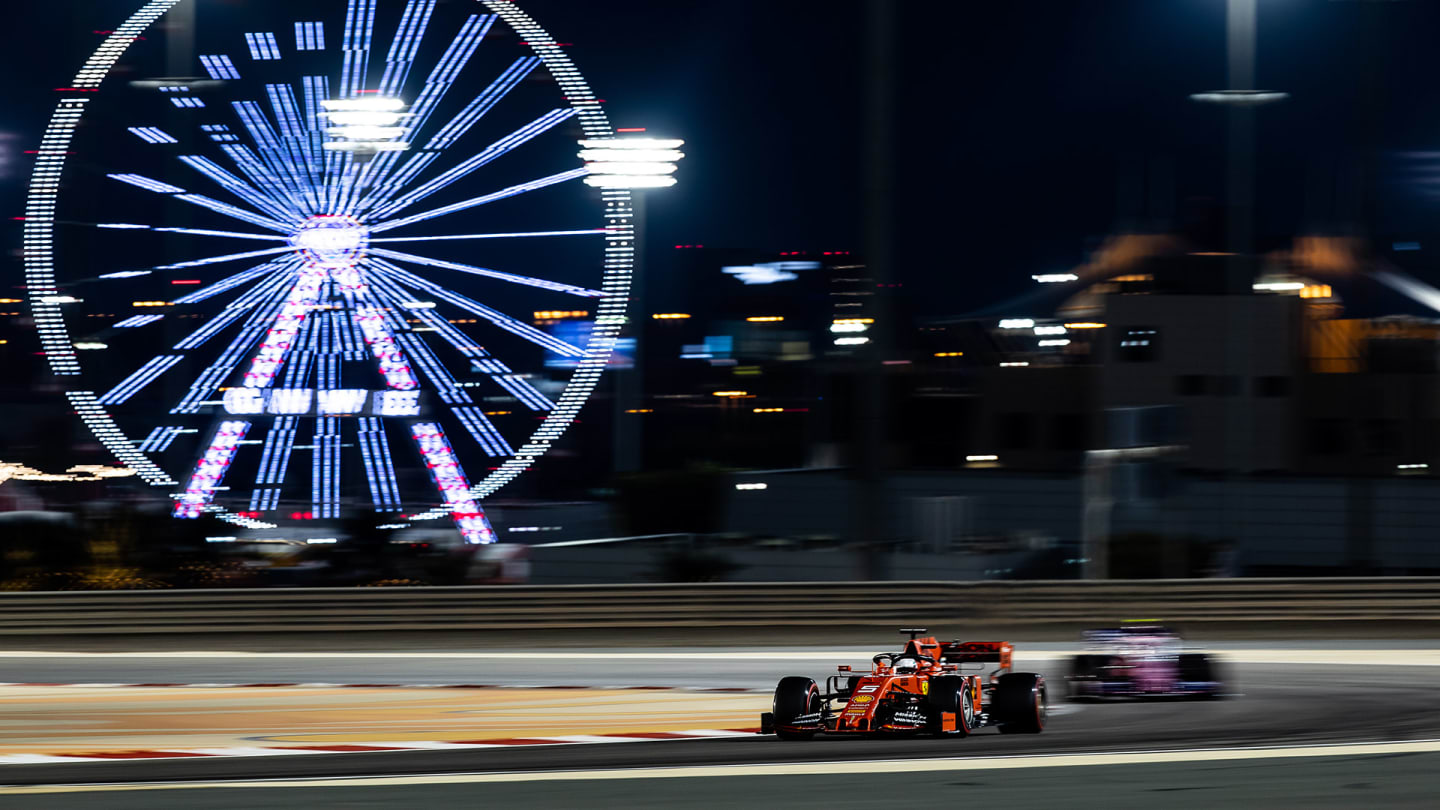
[[982, 295]]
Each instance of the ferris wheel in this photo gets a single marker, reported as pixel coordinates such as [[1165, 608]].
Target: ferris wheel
[[338, 262]]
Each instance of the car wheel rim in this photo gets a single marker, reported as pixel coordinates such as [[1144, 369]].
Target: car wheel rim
[[967, 708]]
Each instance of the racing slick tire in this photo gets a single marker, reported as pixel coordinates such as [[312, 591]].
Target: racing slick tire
[[951, 695], [1196, 667], [1020, 703], [795, 697]]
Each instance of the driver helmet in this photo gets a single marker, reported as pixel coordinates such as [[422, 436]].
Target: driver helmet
[[905, 665]]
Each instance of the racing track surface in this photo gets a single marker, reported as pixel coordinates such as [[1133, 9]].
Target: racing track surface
[[1279, 704]]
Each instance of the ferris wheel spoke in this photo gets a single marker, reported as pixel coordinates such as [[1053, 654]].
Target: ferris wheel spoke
[[214, 375], [359, 33], [450, 479], [379, 466], [237, 280], [240, 188], [404, 278], [283, 162], [325, 469], [231, 234], [295, 137], [488, 273], [483, 431], [488, 155], [442, 326], [211, 468], [441, 79], [533, 185], [143, 376], [261, 175], [141, 181], [440, 82], [265, 293], [405, 45], [456, 237], [231, 257]]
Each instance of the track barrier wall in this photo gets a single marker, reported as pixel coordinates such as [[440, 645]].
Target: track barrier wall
[[1410, 602]]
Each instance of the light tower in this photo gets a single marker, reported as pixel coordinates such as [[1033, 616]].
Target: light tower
[[637, 164]]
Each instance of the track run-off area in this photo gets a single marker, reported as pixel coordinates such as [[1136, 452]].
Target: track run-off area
[[1318, 724]]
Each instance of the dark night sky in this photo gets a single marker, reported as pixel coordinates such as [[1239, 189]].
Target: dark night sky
[[1017, 119]]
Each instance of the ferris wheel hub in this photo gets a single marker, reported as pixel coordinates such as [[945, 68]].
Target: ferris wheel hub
[[332, 241]]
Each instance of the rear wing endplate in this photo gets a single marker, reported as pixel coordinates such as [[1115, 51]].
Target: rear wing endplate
[[977, 652]]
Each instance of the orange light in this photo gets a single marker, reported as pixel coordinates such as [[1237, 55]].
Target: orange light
[[10, 300], [560, 315], [854, 320], [670, 316], [641, 410], [497, 413], [1316, 291], [1084, 325], [769, 410], [732, 393], [949, 354], [149, 303], [765, 318]]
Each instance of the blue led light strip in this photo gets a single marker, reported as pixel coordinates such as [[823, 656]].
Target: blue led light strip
[[297, 370], [220, 67], [488, 273], [455, 237], [231, 211], [263, 47], [482, 104], [153, 135], [232, 257], [309, 36], [275, 154], [142, 377], [405, 278], [379, 468], [240, 188], [265, 499], [138, 320], [442, 326], [259, 323], [533, 185], [405, 45], [275, 457], [484, 432], [444, 382], [325, 469], [359, 30], [296, 138], [540, 125], [159, 439], [264, 237], [232, 282], [524, 391], [261, 175], [436, 86], [141, 181]]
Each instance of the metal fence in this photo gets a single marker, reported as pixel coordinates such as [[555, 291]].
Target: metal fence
[[1233, 602]]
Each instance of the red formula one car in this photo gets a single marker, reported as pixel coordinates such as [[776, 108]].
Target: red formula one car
[[929, 687]]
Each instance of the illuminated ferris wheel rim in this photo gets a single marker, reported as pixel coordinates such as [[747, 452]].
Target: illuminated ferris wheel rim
[[46, 298]]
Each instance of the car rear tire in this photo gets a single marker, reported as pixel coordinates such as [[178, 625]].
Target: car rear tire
[[795, 697], [1020, 703], [951, 695]]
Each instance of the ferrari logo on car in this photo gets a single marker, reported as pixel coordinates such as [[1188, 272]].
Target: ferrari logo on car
[[861, 699]]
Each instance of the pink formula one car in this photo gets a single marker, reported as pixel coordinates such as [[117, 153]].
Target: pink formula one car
[[1141, 661]]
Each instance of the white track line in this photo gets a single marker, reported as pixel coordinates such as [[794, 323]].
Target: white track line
[[903, 766]]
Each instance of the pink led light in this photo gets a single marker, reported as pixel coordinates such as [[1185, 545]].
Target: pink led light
[[210, 470], [450, 480], [393, 363], [281, 337]]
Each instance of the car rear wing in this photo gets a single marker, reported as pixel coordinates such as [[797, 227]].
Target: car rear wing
[[977, 652]]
